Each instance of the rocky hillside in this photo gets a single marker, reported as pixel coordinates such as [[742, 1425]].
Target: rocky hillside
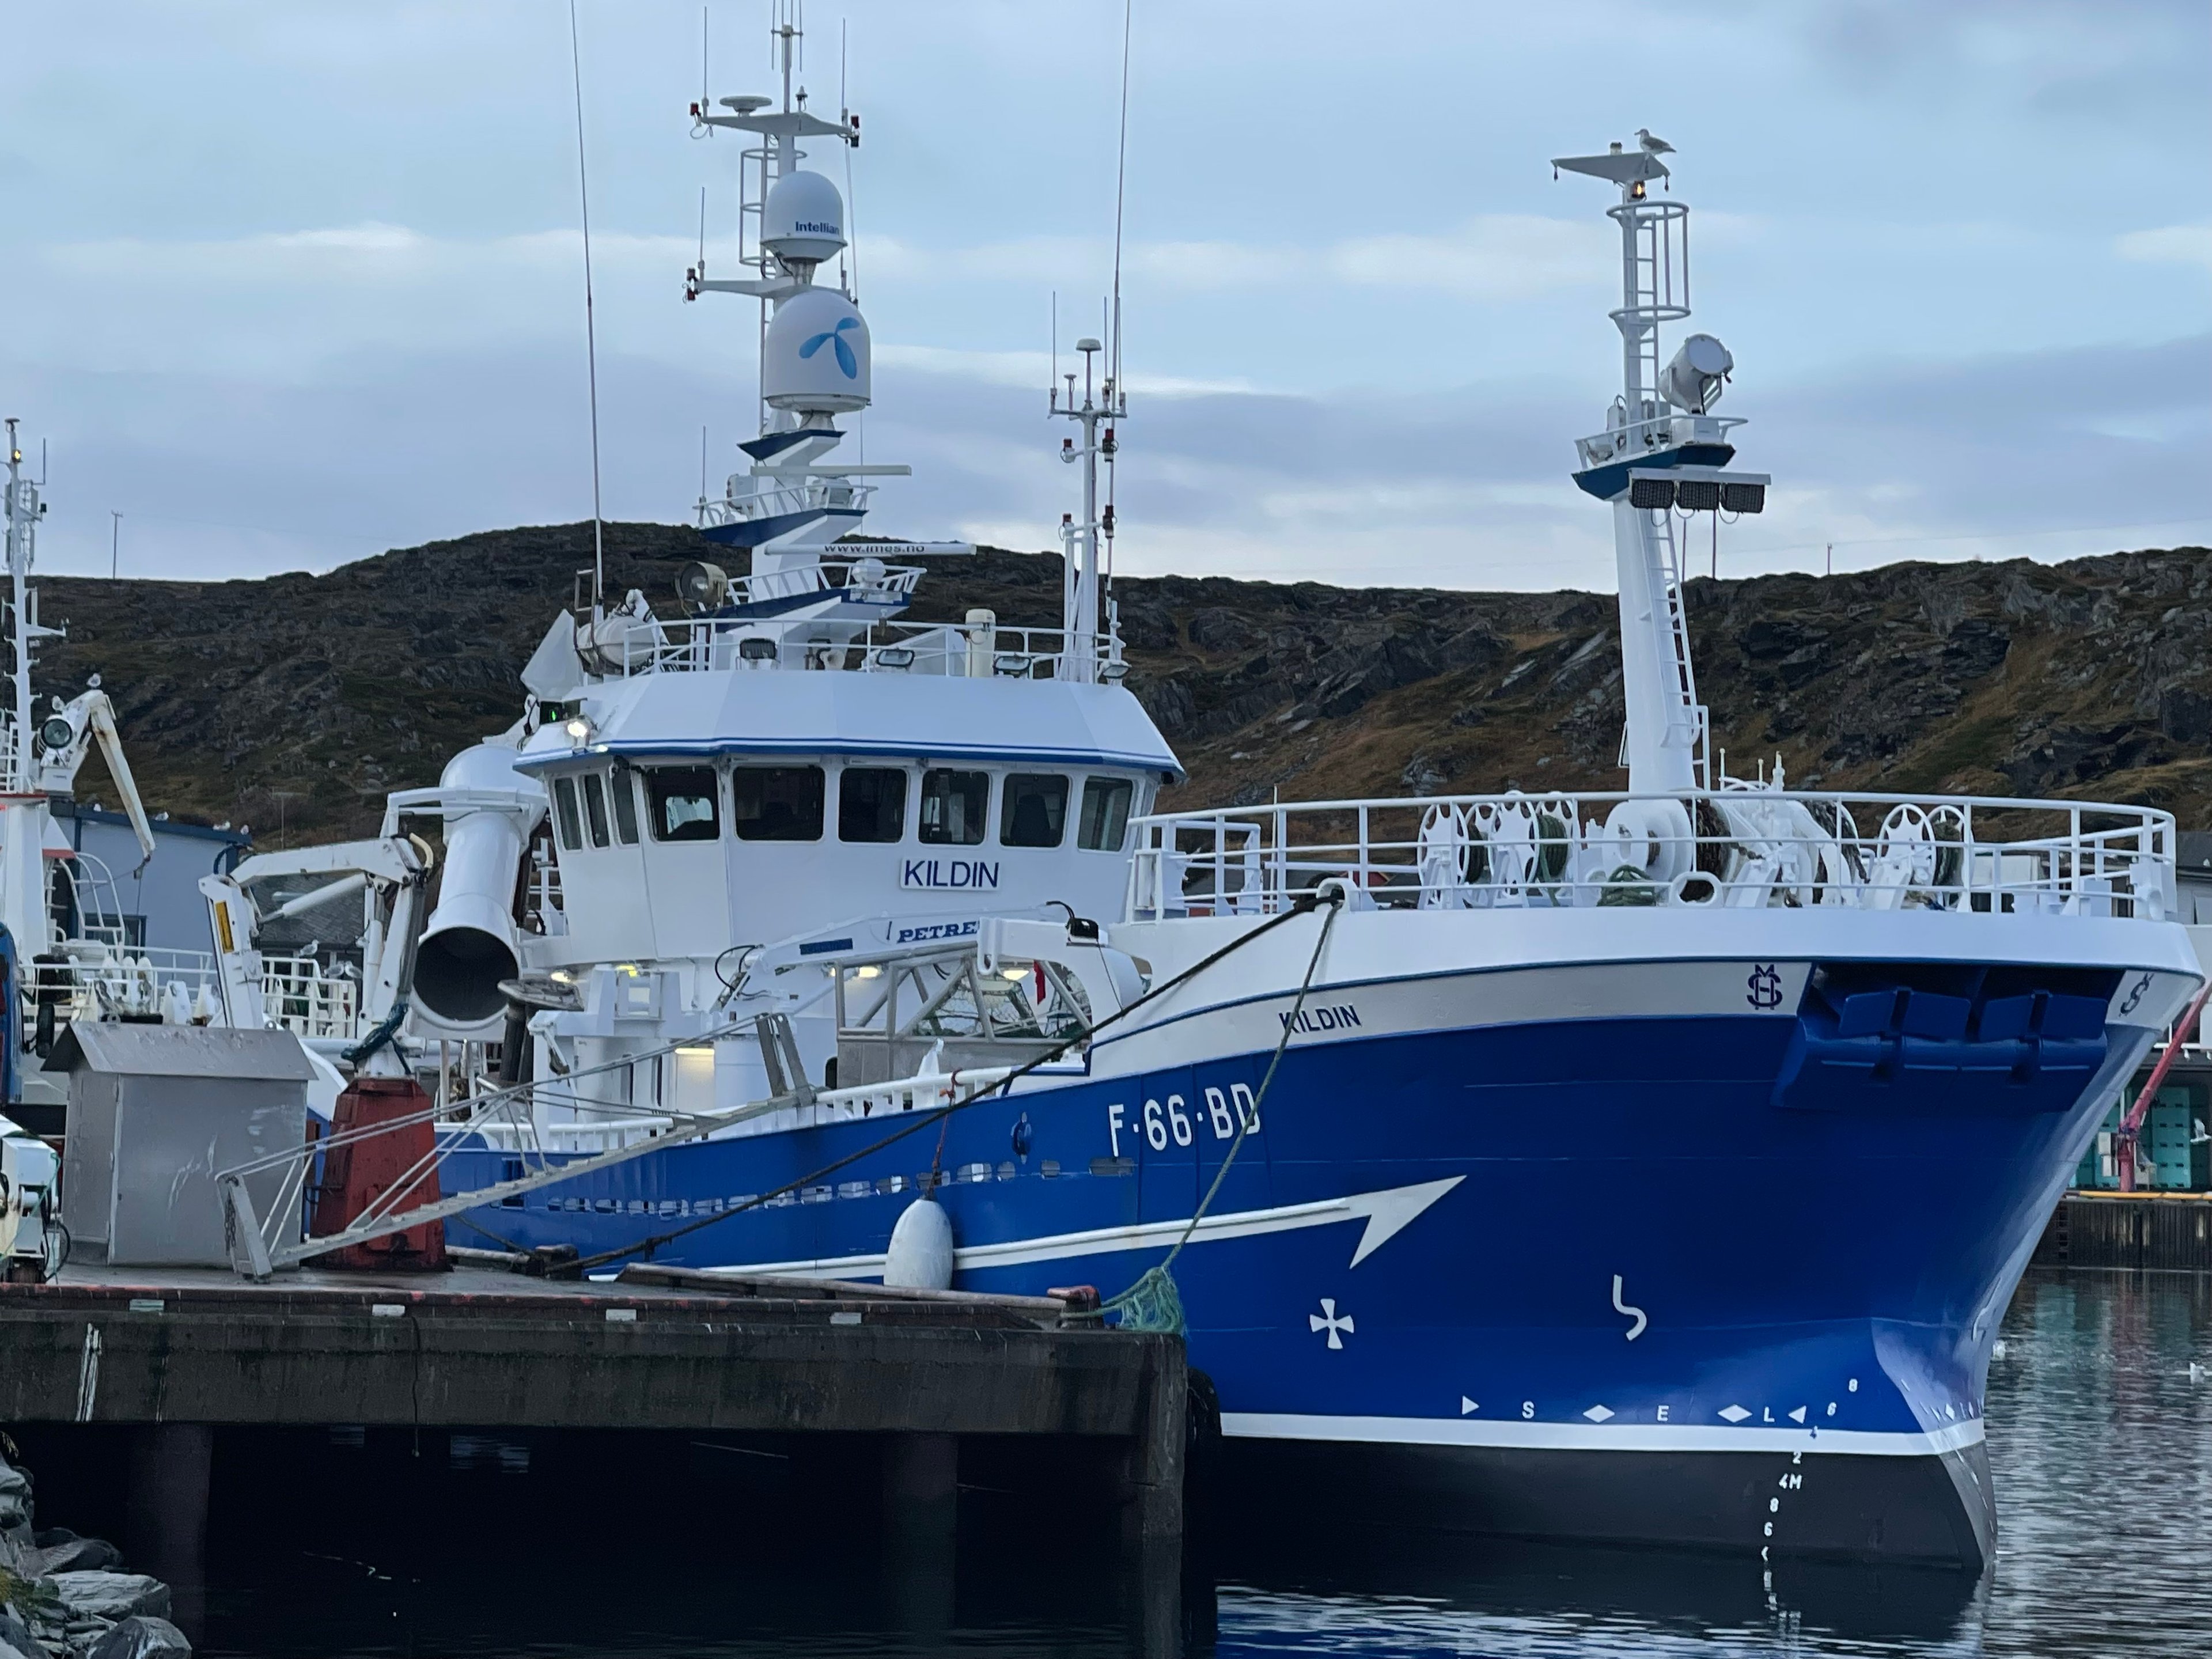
[[294, 703]]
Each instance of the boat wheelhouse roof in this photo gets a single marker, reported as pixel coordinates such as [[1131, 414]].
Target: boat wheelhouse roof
[[1050, 722]]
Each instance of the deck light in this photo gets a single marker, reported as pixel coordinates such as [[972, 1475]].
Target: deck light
[[894, 656], [1697, 495], [1744, 497], [1011, 663], [1651, 493], [1114, 672], [578, 729], [756, 648]]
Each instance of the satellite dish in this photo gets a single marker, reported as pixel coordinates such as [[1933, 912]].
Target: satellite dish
[[746, 103], [701, 586], [804, 221], [815, 357]]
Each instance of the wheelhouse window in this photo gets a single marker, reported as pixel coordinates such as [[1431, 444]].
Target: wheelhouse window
[[953, 807], [776, 803], [595, 808], [1103, 824], [872, 804], [1034, 813], [685, 803], [565, 818], [624, 791]]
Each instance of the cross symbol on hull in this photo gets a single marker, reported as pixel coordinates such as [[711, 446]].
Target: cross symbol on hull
[[1327, 1320]]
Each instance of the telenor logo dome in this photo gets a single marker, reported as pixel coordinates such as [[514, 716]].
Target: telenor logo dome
[[834, 338]]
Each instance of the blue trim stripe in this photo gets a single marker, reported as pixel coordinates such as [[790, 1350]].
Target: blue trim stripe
[[1608, 480], [751, 532], [775, 443], [788, 602]]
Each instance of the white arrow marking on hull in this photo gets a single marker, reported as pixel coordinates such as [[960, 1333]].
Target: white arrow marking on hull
[[1387, 1213]]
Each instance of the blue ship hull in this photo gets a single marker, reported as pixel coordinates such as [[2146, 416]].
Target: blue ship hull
[[1721, 1280]]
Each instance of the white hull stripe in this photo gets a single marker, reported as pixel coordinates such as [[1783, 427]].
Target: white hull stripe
[[1386, 1213], [1578, 1436]]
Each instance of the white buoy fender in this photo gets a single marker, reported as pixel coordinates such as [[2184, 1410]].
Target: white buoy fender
[[920, 1256]]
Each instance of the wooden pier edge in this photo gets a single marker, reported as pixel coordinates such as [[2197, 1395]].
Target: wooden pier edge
[[473, 1350]]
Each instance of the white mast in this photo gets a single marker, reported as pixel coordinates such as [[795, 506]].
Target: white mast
[[1102, 401], [23, 511], [23, 811], [1660, 448]]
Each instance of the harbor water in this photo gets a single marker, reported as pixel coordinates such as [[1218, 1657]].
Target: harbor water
[[2100, 1436]]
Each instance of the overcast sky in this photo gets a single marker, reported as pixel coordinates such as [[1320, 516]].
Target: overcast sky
[[290, 284]]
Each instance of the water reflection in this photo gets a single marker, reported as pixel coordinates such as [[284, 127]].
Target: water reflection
[[2100, 1439]]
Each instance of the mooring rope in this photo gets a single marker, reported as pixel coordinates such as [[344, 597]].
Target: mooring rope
[[1153, 1303]]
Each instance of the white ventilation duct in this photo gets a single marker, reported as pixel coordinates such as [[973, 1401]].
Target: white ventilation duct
[[471, 943]]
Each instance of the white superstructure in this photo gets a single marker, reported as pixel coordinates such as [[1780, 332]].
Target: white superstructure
[[709, 804]]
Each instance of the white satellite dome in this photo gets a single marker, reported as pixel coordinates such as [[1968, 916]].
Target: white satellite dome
[[815, 359], [804, 221]]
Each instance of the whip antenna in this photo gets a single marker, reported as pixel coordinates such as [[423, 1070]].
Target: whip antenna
[[590, 329], [848, 257], [1121, 187], [1120, 195]]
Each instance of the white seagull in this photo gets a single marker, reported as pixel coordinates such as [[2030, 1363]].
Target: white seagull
[[1653, 146]]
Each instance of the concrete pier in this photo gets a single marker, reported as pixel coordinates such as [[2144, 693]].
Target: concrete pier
[[182, 1352]]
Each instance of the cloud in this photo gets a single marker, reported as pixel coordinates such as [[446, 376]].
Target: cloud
[[2045, 454], [2175, 244], [1033, 370], [1489, 256]]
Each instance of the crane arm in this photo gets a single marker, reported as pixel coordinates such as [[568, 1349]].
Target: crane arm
[[102, 720]]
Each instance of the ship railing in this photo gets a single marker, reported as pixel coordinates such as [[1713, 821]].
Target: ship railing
[[1669, 429], [1730, 849], [744, 503], [100, 977], [266, 1219], [942, 650], [103, 978], [612, 1124], [298, 996], [870, 580]]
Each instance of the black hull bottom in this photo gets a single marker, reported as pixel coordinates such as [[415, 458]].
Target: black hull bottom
[[1936, 1511]]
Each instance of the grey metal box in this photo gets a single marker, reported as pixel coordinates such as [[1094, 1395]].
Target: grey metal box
[[155, 1113]]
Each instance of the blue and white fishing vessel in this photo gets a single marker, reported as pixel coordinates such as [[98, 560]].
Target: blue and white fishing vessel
[[1650, 1166]]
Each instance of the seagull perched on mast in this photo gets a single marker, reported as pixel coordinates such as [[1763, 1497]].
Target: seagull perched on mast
[[1653, 146]]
